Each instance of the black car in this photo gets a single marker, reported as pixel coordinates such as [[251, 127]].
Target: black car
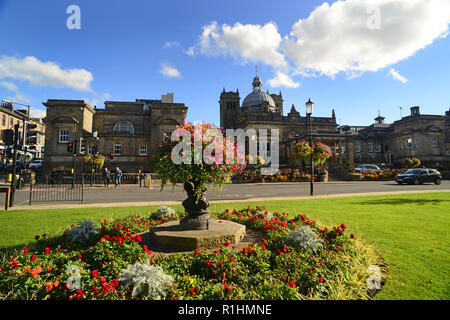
[[419, 176]]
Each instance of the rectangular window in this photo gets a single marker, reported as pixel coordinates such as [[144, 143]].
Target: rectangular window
[[117, 149], [357, 147], [3, 120], [63, 136], [11, 121], [434, 142], [370, 147], [143, 150], [378, 147], [90, 149]]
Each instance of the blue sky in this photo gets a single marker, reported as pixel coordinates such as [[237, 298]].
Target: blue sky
[[399, 58]]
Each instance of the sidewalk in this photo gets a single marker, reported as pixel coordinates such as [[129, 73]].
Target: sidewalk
[[157, 203]]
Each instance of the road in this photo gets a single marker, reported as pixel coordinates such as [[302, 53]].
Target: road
[[133, 194]]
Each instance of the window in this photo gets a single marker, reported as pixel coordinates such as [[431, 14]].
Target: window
[[378, 147], [357, 147], [117, 149], [434, 142], [124, 126], [448, 152], [370, 147], [11, 121], [63, 136], [90, 148], [143, 150], [3, 120]]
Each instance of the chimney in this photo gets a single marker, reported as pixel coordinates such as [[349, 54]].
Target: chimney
[[415, 111], [168, 98]]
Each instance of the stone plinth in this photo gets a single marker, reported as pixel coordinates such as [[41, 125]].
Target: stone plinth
[[175, 236]]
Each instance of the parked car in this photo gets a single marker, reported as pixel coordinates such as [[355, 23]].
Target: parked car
[[364, 168], [419, 176], [36, 164]]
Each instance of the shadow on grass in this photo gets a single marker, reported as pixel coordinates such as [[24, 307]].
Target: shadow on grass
[[400, 201]]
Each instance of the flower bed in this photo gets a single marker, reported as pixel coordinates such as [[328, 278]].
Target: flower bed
[[283, 175], [296, 258]]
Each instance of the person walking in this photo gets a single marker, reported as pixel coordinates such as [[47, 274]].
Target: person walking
[[105, 176], [118, 176]]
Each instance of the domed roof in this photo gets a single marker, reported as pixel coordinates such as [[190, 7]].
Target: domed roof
[[257, 97]]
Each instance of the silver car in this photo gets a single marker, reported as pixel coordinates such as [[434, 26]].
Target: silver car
[[364, 168], [36, 164]]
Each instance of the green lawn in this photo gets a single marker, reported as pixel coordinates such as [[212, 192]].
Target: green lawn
[[411, 232]]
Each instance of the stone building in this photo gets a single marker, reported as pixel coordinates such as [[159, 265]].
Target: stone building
[[426, 137], [262, 110], [9, 117], [129, 130]]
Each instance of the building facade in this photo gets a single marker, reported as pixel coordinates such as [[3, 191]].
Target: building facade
[[426, 137], [31, 143], [129, 130], [262, 110], [379, 143]]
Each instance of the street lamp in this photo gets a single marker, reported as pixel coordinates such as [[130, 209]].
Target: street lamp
[[309, 110], [93, 153], [410, 147]]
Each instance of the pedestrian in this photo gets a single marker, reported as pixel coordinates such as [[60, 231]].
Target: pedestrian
[[105, 176], [118, 176]]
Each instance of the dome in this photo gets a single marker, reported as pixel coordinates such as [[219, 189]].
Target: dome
[[257, 97]]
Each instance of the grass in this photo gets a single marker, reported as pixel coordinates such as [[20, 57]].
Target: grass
[[411, 232]]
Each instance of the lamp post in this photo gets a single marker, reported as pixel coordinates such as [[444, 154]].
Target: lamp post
[[309, 110], [410, 147], [94, 152]]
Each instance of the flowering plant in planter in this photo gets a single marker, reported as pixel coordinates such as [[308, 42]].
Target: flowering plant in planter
[[302, 151], [320, 153], [211, 163], [98, 160]]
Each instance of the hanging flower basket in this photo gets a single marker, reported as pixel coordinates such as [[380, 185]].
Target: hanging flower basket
[[321, 152], [302, 151]]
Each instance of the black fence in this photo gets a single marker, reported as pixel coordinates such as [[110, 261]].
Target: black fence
[[55, 188]]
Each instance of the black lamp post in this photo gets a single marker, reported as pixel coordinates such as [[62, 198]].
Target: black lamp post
[[410, 147], [309, 110]]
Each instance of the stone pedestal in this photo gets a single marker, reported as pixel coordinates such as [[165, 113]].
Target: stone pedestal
[[175, 236]]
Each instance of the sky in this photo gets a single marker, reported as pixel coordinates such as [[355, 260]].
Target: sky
[[357, 57]]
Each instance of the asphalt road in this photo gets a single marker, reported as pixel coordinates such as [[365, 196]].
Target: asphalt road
[[130, 194]]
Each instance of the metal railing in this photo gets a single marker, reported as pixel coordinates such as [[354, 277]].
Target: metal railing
[[55, 188]]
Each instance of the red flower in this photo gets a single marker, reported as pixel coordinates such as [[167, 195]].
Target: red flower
[[79, 256], [224, 274], [36, 271], [33, 257], [95, 290], [94, 274], [79, 294], [25, 251], [292, 284], [191, 292], [47, 250], [102, 279], [227, 287], [262, 240], [196, 252], [174, 298], [320, 280], [49, 286], [226, 244], [230, 259]]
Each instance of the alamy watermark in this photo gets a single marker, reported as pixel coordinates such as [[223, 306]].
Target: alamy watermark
[[74, 20], [213, 153]]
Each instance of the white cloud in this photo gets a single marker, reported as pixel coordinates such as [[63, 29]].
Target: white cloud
[[98, 99], [170, 44], [9, 85], [246, 43], [397, 76], [19, 98], [338, 38], [38, 113], [44, 73], [169, 71], [281, 79], [190, 51]]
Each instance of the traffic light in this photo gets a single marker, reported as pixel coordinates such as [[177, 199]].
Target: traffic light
[[70, 147], [111, 155], [8, 137], [82, 147], [31, 136]]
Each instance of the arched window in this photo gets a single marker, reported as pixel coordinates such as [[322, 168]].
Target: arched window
[[124, 126]]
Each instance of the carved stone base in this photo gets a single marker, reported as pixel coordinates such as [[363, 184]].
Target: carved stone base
[[198, 222], [173, 235]]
